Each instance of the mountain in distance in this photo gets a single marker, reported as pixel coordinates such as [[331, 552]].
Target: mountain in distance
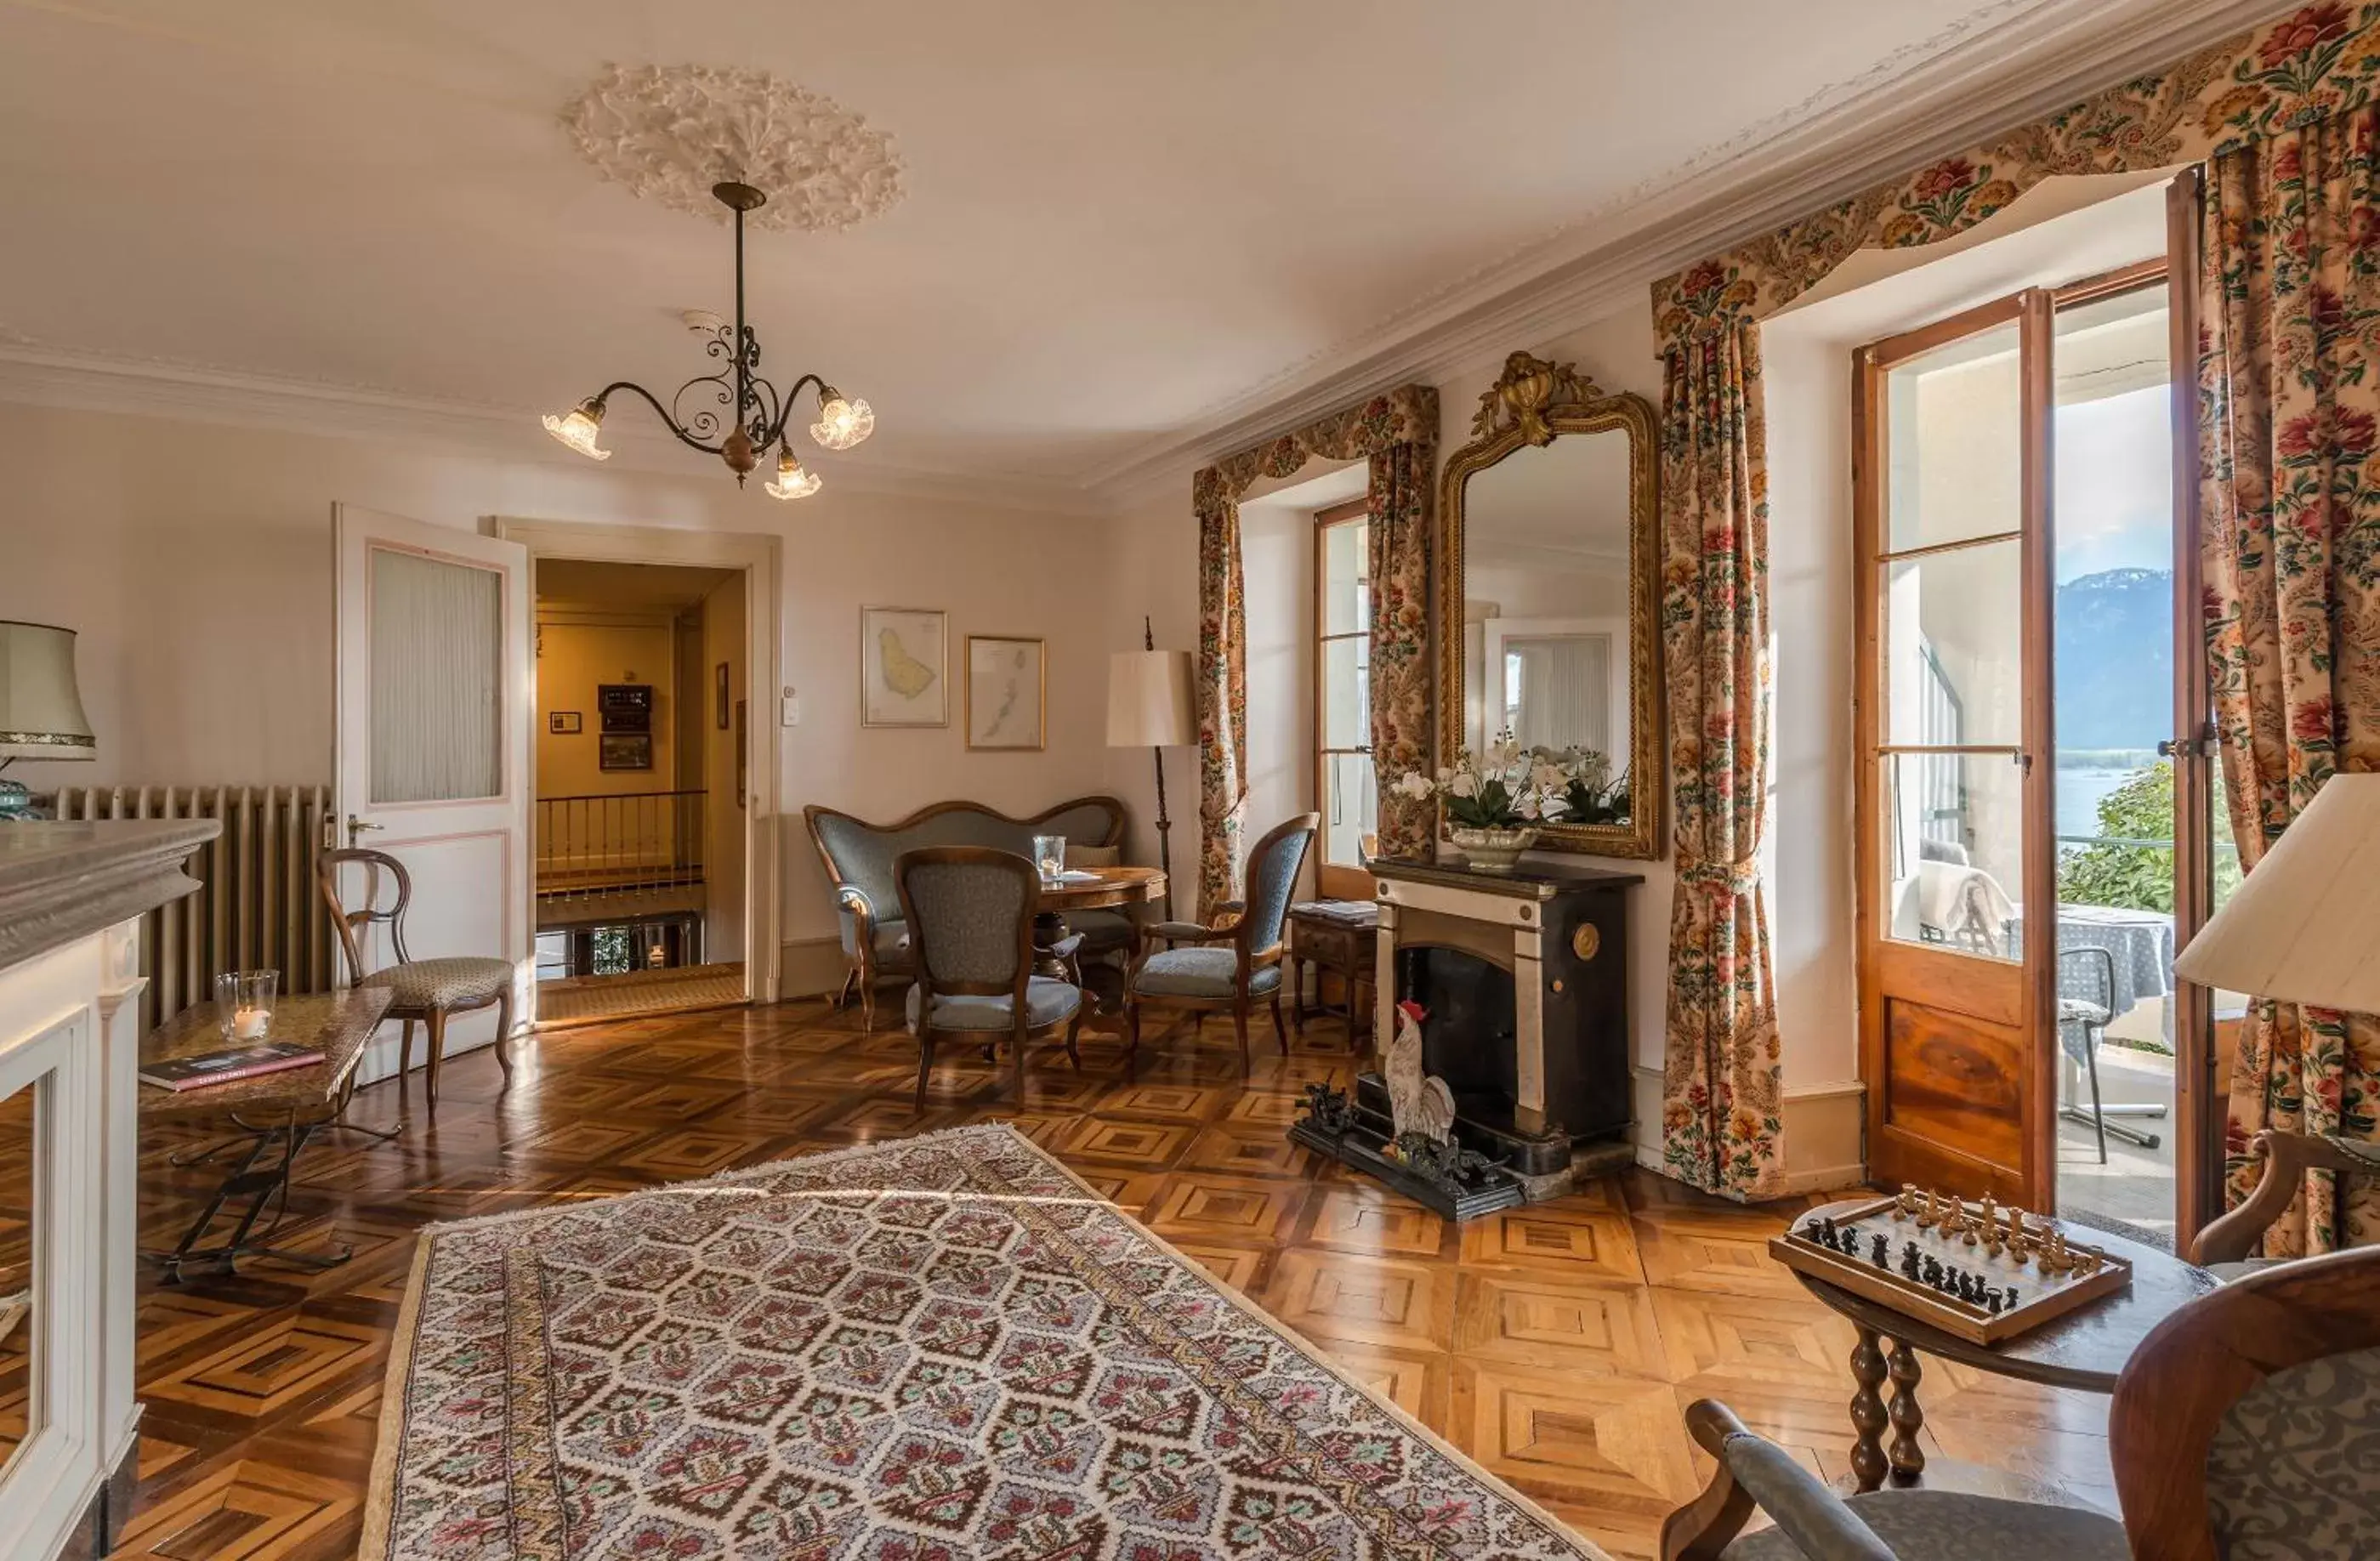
[[2115, 659]]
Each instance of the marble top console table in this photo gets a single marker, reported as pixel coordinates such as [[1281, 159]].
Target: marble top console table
[[71, 895]]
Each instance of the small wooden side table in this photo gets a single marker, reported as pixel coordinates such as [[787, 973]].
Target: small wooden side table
[[2086, 1347], [1338, 945], [274, 1114]]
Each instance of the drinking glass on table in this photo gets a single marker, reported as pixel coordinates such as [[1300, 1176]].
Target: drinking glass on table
[[1050, 856]]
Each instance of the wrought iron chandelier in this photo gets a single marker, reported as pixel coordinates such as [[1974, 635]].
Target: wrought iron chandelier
[[755, 414]]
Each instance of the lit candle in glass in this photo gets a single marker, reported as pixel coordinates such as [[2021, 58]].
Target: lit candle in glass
[[243, 999]]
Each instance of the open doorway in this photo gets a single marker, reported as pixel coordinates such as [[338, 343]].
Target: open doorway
[[643, 690]]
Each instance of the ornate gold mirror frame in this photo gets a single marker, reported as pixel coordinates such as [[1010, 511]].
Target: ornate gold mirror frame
[[1533, 403]]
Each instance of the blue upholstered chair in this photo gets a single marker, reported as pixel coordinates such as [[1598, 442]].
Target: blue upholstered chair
[[969, 911], [2246, 1424], [1228, 967]]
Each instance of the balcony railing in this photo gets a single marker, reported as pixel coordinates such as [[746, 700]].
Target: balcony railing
[[633, 841]]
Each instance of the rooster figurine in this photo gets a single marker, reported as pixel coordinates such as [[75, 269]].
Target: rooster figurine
[[1418, 1102]]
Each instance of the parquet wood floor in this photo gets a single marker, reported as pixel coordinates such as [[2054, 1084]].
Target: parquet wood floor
[[1556, 1344]]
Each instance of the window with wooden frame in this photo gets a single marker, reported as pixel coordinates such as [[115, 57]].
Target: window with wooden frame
[[1345, 790]]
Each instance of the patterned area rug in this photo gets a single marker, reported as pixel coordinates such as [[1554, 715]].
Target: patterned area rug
[[939, 1349]]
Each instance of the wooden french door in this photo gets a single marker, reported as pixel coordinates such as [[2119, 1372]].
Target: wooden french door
[[432, 752], [1951, 477]]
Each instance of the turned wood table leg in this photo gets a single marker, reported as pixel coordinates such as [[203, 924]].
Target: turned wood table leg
[[1867, 1411], [1908, 1458]]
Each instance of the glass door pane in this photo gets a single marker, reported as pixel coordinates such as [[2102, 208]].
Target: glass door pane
[[1951, 638], [437, 688], [2113, 622]]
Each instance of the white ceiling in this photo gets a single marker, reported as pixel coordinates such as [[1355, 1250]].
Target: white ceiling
[[1125, 223]]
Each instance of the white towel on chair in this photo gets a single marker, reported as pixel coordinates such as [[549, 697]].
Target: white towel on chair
[[1966, 904]]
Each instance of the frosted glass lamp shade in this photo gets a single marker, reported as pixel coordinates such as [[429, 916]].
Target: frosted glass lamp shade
[[2304, 927], [1149, 700], [40, 710]]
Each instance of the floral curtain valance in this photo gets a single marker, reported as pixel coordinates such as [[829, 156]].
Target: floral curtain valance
[[1397, 433], [2315, 61]]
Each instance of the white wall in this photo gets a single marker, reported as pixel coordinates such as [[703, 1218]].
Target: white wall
[[194, 560]]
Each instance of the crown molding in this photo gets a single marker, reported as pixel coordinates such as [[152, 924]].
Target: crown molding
[[1991, 70], [36, 375]]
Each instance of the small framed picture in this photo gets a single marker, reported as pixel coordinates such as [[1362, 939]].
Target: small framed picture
[[903, 666], [1007, 688], [563, 722], [625, 750], [719, 687]]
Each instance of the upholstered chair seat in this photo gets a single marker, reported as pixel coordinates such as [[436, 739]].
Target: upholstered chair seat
[[1947, 1526], [1198, 972], [1046, 1001], [448, 983], [1102, 931]]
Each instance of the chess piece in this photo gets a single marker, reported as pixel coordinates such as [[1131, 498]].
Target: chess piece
[[1879, 1251], [1991, 1229], [1905, 1206], [2055, 1258], [1933, 1215], [1933, 1271], [1810, 1232], [1992, 1302], [2020, 1238], [1908, 1260], [1828, 1232]]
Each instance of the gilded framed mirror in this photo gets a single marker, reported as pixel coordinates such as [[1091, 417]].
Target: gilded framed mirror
[[1548, 576]]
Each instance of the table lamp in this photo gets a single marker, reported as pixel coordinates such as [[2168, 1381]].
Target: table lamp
[[40, 712], [2304, 925], [1149, 707]]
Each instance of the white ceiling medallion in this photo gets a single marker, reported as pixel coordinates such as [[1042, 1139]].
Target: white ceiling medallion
[[670, 132]]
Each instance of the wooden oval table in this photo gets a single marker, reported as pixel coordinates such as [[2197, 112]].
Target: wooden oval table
[[1104, 889], [2086, 1348]]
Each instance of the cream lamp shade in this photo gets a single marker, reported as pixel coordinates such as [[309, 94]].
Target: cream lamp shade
[[2304, 927], [41, 713], [1149, 700]]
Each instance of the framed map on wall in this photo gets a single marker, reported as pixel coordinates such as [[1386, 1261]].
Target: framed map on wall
[[1007, 685], [903, 666]]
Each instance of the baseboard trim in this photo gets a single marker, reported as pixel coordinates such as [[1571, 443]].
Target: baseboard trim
[[811, 967], [1825, 1120]]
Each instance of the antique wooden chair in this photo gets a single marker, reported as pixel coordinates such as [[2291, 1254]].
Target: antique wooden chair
[[1208, 979], [969, 911], [427, 991], [2247, 1425], [2226, 1244]]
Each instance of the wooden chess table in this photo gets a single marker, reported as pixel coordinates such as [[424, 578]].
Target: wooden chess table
[[2084, 1345]]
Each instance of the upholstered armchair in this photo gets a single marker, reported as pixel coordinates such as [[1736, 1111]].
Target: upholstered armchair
[[2246, 1424], [969, 912], [1228, 966], [2225, 1242]]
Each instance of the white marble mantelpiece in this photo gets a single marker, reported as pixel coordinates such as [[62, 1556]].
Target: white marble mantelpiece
[[60, 881], [71, 896]]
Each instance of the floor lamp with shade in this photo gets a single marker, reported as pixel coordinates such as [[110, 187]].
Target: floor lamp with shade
[[41, 709], [1149, 707]]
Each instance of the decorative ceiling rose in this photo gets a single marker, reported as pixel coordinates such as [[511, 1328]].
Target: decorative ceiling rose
[[670, 132]]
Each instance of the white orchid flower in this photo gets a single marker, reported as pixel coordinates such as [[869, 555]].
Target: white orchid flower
[[1414, 784], [1526, 807], [1464, 784], [1548, 777]]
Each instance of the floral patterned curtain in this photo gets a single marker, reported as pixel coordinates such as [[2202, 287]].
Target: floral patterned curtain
[[1720, 1096], [1397, 432], [2290, 503], [1721, 1120]]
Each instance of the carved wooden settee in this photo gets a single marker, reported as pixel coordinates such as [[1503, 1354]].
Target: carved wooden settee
[[859, 857]]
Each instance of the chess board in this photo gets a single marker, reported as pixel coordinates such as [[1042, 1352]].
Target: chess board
[[1944, 1270]]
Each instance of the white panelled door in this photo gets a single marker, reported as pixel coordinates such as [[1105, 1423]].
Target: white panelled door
[[435, 668]]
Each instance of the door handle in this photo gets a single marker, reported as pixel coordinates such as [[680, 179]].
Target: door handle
[[356, 827]]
